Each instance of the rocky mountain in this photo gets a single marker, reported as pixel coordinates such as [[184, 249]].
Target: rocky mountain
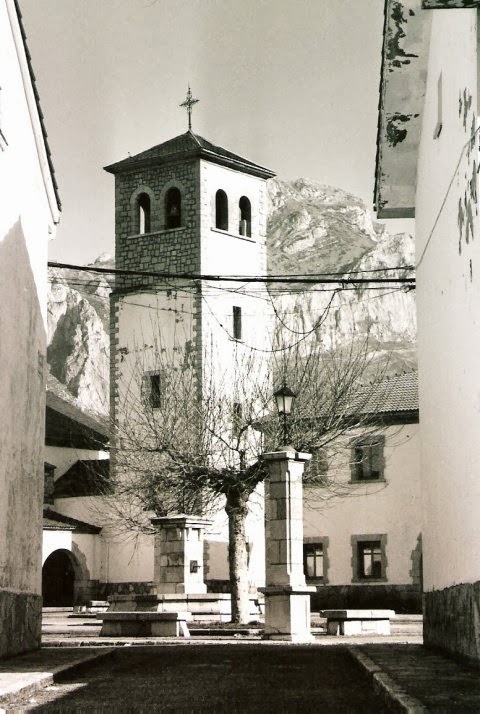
[[78, 342], [312, 228]]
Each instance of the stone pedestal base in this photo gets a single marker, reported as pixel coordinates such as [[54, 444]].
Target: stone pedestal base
[[202, 607], [287, 613]]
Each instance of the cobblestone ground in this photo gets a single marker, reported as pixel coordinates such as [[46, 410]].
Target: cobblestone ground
[[438, 682], [223, 677]]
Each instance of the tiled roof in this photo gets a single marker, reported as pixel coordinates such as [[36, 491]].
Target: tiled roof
[[84, 478], [52, 520], [185, 146], [394, 395]]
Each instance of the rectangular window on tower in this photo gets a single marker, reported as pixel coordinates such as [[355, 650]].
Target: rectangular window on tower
[[237, 418], [237, 322], [152, 390]]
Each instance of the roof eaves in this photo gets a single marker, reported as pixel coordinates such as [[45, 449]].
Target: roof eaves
[[69, 522], [242, 164], [36, 95], [71, 411], [381, 91]]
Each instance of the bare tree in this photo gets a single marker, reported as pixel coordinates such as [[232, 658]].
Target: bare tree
[[185, 447]]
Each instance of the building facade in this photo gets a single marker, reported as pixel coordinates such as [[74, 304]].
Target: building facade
[[363, 530], [427, 166], [30, 212], [76, 471]]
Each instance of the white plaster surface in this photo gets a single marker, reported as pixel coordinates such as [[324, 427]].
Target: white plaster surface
[[448, 294]]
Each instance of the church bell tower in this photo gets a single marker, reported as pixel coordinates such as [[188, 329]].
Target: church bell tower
[[186, 211]]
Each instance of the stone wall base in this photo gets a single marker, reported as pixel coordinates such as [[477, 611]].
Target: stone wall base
[[105, 590], [401, 598], [451, 620], [21, 622]]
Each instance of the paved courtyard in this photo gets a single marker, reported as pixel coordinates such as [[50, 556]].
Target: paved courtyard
[[78, 670], [220, 677]]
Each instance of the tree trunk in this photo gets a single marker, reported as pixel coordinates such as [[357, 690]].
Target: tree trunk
[[236, 508]]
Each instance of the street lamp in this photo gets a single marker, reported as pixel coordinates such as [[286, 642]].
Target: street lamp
[[284, 398]]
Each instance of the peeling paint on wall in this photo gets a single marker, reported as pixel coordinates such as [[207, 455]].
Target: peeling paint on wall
[[448, 4], [402, 91], [467, 203], [394, 51], [395, 132]]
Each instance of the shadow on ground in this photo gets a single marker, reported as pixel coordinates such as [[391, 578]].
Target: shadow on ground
[[223, 677]]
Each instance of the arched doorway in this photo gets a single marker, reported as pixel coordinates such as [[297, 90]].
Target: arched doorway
[[58, 579]]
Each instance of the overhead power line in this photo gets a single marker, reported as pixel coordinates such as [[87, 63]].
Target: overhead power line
[[311, 278]]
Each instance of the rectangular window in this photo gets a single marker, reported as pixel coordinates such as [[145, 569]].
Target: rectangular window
[[237, 417], [313, 560], [155, 396], [369, 558], [237, 322], [367, 459]]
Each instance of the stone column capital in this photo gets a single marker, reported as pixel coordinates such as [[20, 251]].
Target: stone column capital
[[287, 453]]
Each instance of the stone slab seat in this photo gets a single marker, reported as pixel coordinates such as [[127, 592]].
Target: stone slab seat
[[144, 624], [358, 622]]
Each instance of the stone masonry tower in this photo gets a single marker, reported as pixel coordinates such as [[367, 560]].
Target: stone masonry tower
[[184, 208]]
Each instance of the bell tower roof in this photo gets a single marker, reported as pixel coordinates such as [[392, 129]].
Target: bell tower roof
[[186, 146]]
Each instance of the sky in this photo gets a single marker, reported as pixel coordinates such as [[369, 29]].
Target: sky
[[289, 84]]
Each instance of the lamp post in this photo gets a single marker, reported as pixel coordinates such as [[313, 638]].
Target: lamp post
[[284, 398], [287, 597]]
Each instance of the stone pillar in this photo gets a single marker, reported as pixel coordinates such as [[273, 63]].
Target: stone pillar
[[178, 554], [287, 597]]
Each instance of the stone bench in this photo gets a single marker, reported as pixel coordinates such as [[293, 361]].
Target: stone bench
[[358, 622], [144, 624]]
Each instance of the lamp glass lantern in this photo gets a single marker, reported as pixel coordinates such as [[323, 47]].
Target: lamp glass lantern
[[284, 398]]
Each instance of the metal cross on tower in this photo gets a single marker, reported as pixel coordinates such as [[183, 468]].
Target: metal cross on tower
[[188, 104]]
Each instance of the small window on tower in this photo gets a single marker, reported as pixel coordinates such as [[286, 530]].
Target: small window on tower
[[155, 396], [221, 210], [143, 213], [237, 322], [237, 418], [245, 227], [173, 208]]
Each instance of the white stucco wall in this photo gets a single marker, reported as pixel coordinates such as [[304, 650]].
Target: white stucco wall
[[448, 299], [27, 221], [392, 507], [226, 252], [55, 540]]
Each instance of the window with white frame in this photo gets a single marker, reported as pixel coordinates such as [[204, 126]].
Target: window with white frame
[[315, 559], [369, 557]]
